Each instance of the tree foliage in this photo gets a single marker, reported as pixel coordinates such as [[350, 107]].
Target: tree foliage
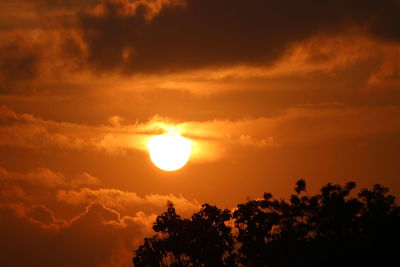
[[332, 228]]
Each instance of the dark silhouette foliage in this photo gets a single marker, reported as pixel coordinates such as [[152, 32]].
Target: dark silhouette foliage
[[332, 228]]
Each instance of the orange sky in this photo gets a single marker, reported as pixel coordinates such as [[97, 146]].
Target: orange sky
[[268, 91]]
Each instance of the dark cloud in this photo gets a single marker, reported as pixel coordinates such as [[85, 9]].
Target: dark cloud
[[162, 36], [45, 217], [99, 236], [200, 33], [19, 61], [37, 230], [46, 5]]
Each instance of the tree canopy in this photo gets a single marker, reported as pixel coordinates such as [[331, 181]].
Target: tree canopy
[[333, 228]]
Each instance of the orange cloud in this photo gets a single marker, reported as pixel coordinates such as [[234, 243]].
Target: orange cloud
[[99, 236], [126, 201], [112, 225], [48, 178], [388, 75], [211, 139], [68, 41], [44, 217], [82, 190]]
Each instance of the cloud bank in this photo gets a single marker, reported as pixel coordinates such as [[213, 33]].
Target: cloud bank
[[112, 224]]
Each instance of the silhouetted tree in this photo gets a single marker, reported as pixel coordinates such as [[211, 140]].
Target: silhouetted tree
[[204, 239], [333, 228]]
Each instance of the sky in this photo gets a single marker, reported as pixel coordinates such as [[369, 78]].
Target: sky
[[267, 91]]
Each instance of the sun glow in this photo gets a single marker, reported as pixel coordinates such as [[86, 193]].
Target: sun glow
[[169, 152]]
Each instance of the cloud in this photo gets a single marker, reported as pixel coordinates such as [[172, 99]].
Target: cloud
[[388, 75], [40, 185], [112, 225], [98, 236], [126, 201], [211, 138], [11, 192], [45, 217], [49, 179], [199, 46], [195, 34], [46, 186], [43, 185], [25, 130], [28, 131], [18, 61], [166, 36], [63, 4]]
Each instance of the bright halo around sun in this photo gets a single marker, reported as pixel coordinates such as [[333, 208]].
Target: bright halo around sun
[[169, 152]]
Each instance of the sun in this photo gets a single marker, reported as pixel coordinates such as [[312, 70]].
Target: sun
[[169, 152]]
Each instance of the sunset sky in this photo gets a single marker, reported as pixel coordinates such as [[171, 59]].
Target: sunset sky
[[267, 91]]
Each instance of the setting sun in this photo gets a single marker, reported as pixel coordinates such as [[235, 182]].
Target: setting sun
[[173, 132], [169, 152]]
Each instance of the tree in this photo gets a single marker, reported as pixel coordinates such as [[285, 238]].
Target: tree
[[203, 240], [332, 228]]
